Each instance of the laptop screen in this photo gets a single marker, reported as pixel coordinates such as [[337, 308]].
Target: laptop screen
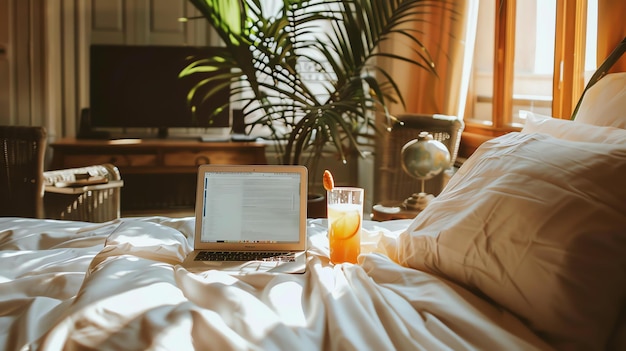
[[251, 207]]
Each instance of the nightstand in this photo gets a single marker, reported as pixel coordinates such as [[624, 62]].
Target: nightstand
[[388, 210]]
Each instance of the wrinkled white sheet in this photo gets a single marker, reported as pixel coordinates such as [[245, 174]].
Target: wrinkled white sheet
[[75, 285]]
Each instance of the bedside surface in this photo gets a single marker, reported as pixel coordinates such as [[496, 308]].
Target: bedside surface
[[387, 210]]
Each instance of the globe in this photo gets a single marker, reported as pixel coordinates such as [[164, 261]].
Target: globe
[[423, 158]]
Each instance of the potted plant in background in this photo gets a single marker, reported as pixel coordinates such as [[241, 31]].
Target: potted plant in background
[[267, 45]]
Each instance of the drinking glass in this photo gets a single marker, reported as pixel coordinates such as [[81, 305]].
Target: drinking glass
[[345, 219]]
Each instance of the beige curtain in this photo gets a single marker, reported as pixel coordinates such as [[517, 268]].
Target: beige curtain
[[611, 30], [449, 37]]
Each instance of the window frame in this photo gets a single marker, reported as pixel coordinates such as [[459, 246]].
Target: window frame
[[568, 77]]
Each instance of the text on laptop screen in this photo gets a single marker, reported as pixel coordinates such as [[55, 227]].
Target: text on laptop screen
[[257, 207]]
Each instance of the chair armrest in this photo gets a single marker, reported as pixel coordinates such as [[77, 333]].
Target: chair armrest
[[107, 170]]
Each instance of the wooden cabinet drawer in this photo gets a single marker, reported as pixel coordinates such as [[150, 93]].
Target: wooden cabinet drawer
[[190, 158], [120, 160]]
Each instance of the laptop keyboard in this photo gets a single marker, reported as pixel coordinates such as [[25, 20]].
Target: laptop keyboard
[[245, 256]]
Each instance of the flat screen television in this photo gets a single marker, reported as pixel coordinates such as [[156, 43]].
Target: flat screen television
[[139, 87]]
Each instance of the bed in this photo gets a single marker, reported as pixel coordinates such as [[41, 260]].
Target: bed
[[525, 249]]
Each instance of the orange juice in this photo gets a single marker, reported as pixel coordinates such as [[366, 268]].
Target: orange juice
[[344, 231]]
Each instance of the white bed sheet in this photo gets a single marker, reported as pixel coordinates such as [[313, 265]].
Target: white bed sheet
[[119, 285]]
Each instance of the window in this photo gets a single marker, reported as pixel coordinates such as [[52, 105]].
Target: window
[[520, 46]]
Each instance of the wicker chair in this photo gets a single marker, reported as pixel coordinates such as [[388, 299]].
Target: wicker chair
[[391, 182], [22, 152], [28, 191], [90, 203]]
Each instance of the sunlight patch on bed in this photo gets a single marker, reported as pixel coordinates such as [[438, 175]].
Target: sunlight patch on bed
[[287, 297]]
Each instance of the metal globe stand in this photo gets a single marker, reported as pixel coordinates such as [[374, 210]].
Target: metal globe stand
[[417, 201]]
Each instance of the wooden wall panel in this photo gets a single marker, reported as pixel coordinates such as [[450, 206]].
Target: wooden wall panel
[[160, 25], [144, 22], [110, 23]]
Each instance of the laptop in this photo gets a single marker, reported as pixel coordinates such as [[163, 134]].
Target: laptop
[[250, 218]]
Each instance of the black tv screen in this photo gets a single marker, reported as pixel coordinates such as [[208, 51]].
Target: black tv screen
[[138, 86]]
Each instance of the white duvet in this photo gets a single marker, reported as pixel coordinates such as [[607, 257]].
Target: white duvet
[[75, 285]]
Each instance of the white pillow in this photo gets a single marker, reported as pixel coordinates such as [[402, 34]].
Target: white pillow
[[568, 130], [538, 225], [604, 104]]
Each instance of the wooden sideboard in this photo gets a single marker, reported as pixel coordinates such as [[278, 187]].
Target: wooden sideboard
[[159, 175]]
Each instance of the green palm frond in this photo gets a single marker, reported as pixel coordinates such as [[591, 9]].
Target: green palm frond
[[264, 52]]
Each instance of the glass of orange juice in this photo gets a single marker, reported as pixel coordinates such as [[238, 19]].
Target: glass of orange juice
[[345, 218]]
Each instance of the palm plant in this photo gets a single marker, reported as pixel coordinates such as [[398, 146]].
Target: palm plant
[[268, 42]]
